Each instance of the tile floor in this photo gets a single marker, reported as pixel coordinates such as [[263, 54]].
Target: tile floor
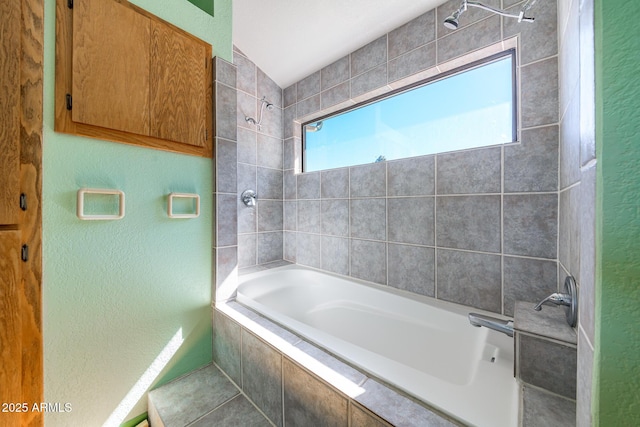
[[204, 397]]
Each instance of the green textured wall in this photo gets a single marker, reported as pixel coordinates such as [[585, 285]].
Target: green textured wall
[[617, 354], [127, 302]]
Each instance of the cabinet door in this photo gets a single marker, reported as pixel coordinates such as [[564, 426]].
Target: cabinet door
[[10, 330], [9, 112], [110, 66], [178, 86]]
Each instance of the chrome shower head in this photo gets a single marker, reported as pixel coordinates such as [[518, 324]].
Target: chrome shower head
[[451, 21], [269, 106]]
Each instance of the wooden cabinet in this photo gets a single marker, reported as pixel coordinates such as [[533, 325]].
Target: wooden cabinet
[[10, 113], [125, 75]]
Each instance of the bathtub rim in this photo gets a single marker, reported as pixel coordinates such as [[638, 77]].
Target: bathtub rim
[[376, 390], [414, 298]]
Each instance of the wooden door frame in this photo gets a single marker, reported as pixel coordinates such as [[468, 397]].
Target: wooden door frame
[[31, 60]]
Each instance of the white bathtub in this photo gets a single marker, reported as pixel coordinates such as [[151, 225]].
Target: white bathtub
[[426, 348]]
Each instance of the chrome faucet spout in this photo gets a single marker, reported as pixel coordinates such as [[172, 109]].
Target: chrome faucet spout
[[504, 326]]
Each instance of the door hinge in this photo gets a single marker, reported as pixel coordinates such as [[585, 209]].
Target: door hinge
[[70, 4], [23, 201], [24, 253], [69, 101]]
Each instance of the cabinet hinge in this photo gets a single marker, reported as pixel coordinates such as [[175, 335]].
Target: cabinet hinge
[[69, 101], [24, 253], [23, 201], [70, 4]]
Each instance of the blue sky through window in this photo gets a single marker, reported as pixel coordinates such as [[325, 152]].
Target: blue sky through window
[[470, 109]]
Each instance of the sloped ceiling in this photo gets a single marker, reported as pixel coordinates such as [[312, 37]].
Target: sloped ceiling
[[290, 39]]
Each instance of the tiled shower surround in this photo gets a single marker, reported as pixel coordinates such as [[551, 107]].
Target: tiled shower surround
[[482, 227], [476, 227]]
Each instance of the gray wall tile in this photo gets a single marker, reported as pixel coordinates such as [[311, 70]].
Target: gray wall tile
[[468, 222], [584, 384], [308, 249], [225, 72], [226, 220], [368, 260], [290, 246], [270, 247], [539, 83], [247, 218], [262, 376], [309, 216], [246, 75], [536, 41], [289, 116], [415, 33], [569, 231], [309, 185], [226, 159], [335, 73], [369, 81], [411, 220], [247, 250], [269, 151], [468, 38], [542, 409], [247, 148], [310, 402], [469, 278], [412, 268], [290, 216], [468, 172], [531, 225], [309, 86], [570, 144], [363, 418], [267, 87], [270, 215], [269, 184], [290, 95], [225, 273], [414, 176], [290, 185], [335, 183], [533, 164], [368, 180], [368, 219], [271, 121], [226, 345], [586, 309], [548, 365], [335, 255], [527, 279], [225, 112], [308, 106], [412, 62], [335, 217], [336, 95], [369, 56]]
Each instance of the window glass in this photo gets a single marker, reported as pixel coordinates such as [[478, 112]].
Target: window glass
[[472, 108]]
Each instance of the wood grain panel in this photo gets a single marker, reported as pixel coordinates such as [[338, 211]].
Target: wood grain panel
[[10, 321], [31, 101], [178, 86], [63, 85], [110, 66], [9, 111]]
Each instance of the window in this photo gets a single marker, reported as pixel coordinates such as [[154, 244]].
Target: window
[[473, 107]]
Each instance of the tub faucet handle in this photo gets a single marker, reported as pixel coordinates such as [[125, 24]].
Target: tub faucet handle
[[568, 298], [556, 298]]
